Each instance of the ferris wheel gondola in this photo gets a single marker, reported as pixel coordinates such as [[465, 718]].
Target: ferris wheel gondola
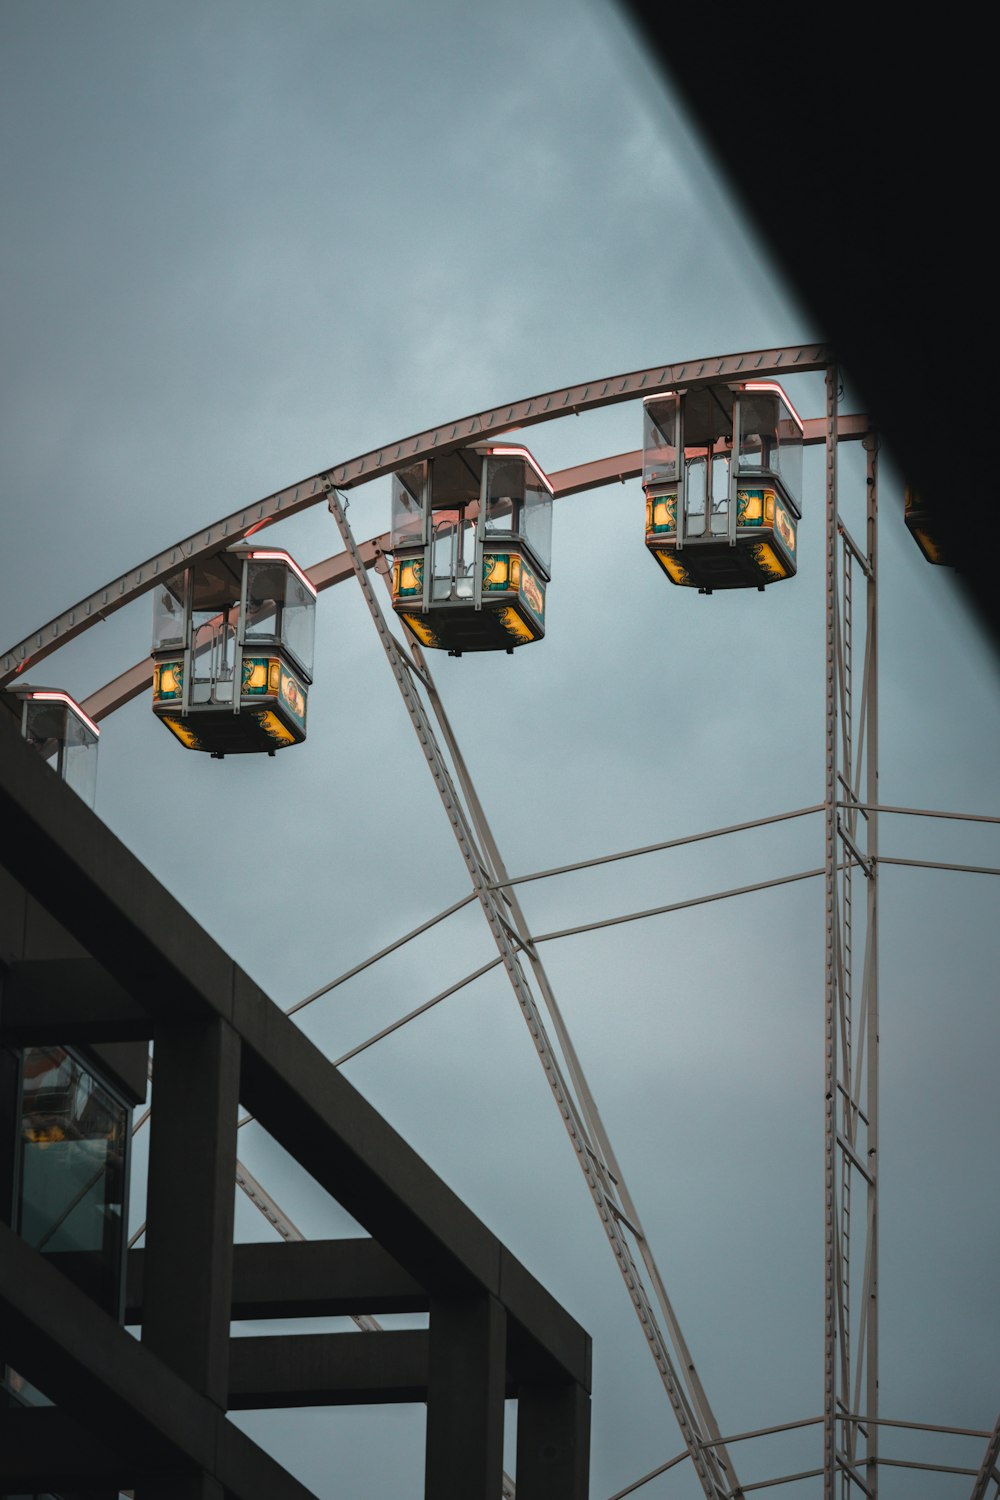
[[61, 731], [471, 533], [233, 652], [722, 474]]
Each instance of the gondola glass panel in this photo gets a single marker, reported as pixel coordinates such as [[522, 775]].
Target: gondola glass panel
[[726, 515], [471, 536], [62, 734], [233, 652], [73, 1171]]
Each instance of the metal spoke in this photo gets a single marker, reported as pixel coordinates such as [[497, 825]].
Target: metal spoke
[[690, 1408]]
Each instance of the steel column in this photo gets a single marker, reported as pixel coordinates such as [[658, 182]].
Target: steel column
[[850, 1390], [830, 1299], [871, 1306]]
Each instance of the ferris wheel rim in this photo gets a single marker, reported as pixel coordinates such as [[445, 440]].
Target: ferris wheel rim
[[491, 422]]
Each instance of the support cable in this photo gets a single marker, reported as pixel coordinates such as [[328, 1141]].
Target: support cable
[[937, 864], [924, 812], [660, 911], [366, 963], [689, 838], [419, 1011]]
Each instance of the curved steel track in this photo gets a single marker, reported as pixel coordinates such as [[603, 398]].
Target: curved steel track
[[383, 460]]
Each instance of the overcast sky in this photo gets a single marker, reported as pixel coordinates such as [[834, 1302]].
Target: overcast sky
[[246, 241]]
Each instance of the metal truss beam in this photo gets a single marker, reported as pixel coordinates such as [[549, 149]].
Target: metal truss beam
[[64, 1001], [604, 1179], [758, 1432], [305, 1279], [328, 1369]]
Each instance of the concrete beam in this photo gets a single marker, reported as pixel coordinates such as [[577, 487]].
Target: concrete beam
[[125, 1397], [105, 898], [328, 1369], [42, 1448], [68, 1000], [304, 1279]]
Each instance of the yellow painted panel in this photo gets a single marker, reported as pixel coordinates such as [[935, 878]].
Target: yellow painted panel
[[423, 632], [765, 557], [406, 576], [496, 571], [186, 736], [672, 567], [515, 626], [753, 508], [273, 726], [167, 681]]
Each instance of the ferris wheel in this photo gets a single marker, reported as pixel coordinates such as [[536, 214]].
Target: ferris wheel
[[465, 567]]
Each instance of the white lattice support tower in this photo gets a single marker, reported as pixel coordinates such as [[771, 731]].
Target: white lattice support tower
[[988, 1468], [698, 1428], [850, 1350]]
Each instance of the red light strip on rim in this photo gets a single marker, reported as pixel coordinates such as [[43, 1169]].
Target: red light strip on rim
[[48, 697], [284, 557]]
